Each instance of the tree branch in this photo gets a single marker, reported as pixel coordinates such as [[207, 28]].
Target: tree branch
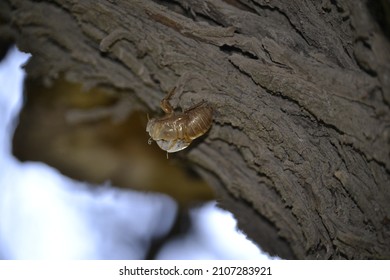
[[299, 149]]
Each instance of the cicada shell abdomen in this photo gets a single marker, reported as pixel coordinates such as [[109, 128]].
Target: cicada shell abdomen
[[199, 120]]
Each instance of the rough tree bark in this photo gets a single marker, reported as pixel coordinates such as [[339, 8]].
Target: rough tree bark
[[299, 148]]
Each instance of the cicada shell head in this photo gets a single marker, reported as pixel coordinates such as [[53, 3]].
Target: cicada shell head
[[161, 128], [150, 125]]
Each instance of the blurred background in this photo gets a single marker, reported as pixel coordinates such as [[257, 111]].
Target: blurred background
[[79, 181]]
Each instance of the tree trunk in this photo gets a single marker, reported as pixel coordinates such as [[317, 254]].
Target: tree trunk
[[299, 147]]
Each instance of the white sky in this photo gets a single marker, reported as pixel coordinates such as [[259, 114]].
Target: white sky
[[45, 215]]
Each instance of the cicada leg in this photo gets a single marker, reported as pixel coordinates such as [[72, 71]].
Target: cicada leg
[[165, 104]]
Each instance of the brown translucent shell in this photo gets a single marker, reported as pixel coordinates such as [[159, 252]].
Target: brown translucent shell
[[175, 131]]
